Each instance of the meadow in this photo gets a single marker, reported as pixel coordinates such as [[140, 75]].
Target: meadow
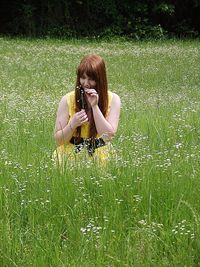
[[142, 209]]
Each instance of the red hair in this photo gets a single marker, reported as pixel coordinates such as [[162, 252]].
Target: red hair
[[94, 67]]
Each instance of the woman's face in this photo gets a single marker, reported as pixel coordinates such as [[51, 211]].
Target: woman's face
[[87, 82]]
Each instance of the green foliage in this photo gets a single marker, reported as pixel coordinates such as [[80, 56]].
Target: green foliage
[[28, 11], [164, 8], [134, 19], [60, 31]]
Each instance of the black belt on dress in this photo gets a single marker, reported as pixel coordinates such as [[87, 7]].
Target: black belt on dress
[[89, 143]]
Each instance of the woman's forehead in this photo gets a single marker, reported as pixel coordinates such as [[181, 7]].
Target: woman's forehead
[[88, 73]]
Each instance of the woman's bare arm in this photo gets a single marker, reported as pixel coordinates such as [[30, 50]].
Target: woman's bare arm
[[107, 125], [64, 129]]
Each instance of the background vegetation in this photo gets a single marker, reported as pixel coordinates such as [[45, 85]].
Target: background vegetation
[[142, 209], [93, 18]]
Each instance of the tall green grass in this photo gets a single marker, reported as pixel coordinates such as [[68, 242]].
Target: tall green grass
[[141, 210]]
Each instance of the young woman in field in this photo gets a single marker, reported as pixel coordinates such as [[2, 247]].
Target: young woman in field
[[88, 117]]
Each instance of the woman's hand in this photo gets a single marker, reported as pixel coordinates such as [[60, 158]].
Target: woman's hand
[[92, 96], [79, 118]]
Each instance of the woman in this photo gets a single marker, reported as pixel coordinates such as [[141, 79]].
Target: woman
[[88, 116]]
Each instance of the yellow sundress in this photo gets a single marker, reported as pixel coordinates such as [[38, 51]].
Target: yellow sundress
[[65, 153]]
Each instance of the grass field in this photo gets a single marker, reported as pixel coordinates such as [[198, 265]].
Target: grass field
[[144, 209]]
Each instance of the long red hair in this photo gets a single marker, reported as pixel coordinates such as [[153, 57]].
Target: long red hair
[[94, 67]]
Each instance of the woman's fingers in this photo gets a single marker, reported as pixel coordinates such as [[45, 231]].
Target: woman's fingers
[[80, 118], [85, 120], [91, 91], [92, 96], [83, 117]]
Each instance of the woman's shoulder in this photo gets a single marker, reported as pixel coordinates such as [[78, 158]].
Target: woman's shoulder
[[67, 99], [113, 96], [70, 94]]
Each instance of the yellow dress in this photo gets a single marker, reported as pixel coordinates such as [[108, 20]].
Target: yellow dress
[[65, 154]]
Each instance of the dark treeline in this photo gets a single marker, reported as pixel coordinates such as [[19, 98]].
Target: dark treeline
[[95, 18]]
